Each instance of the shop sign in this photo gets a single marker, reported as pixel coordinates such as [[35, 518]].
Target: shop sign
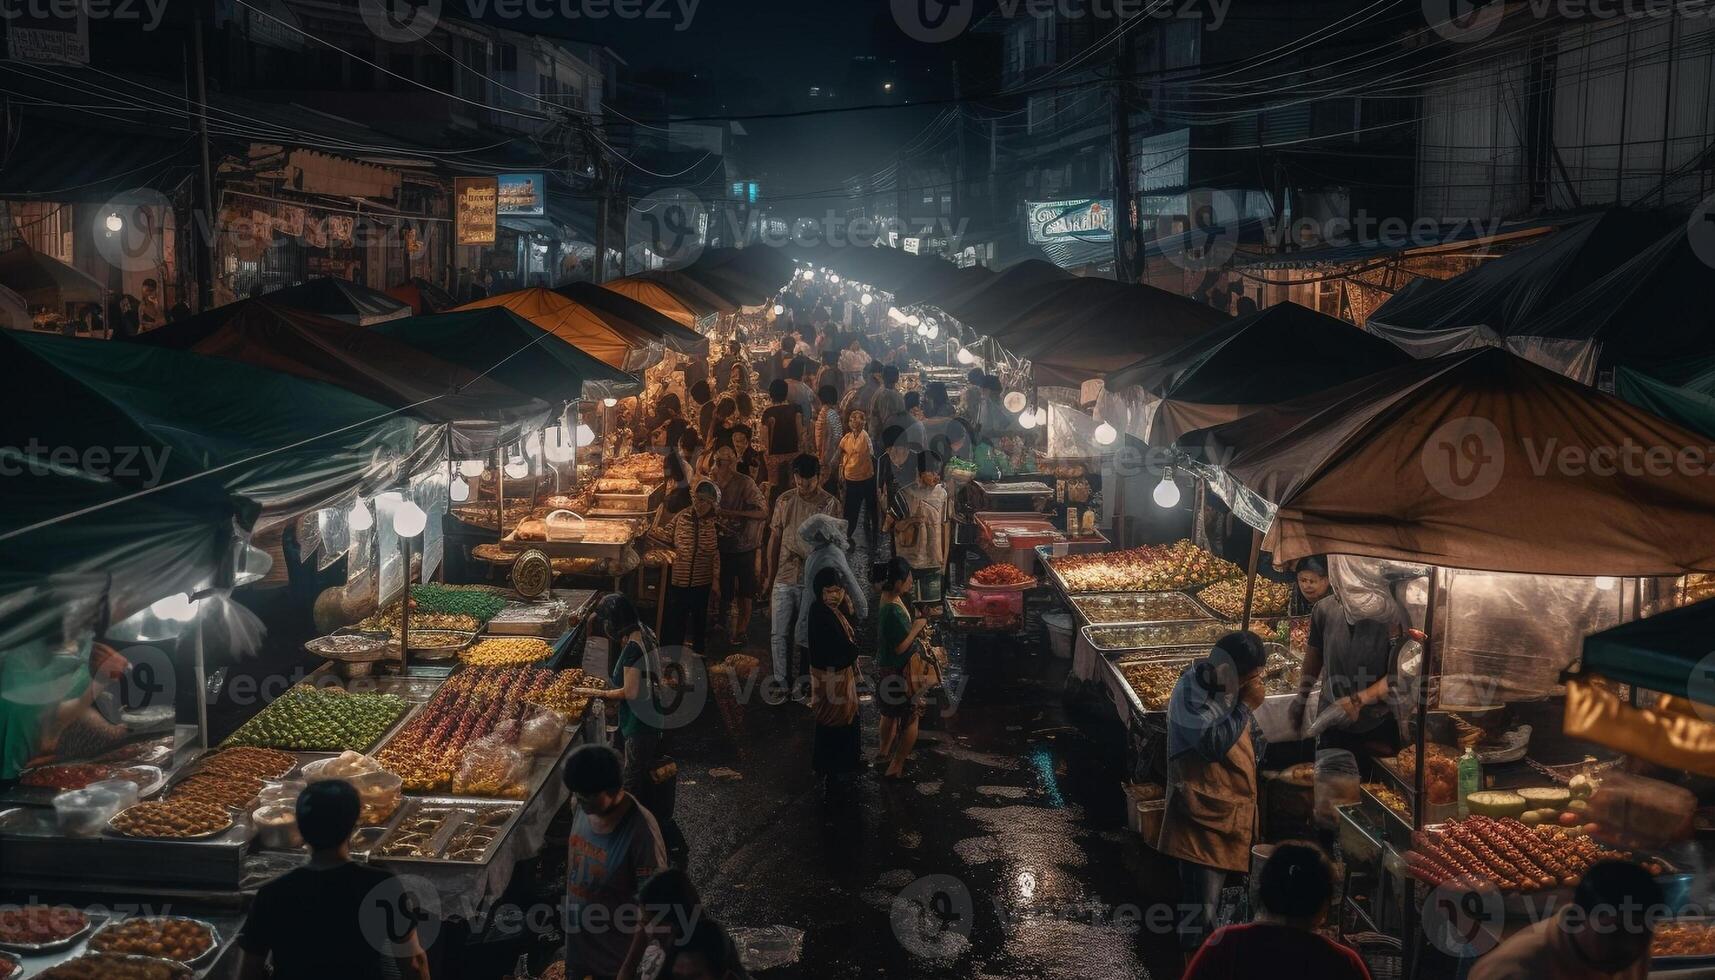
[[290, 221], [339, 228], [475, 206], [48, 34], [523, 195], [315, 233], [1070, 221]]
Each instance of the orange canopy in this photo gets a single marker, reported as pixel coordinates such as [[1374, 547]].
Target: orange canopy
[[680, 309], [611, 342]]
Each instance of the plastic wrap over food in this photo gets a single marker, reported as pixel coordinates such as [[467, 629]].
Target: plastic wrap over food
[[1375, 588], [1507, 637]]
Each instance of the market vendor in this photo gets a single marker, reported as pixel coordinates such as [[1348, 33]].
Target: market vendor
[[1003, 456], [1311, 577], [1212, 749], [1353, 649], [48, 704]]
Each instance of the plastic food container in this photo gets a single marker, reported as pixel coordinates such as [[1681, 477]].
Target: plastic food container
[[379, 792], [83, 812], [1060, 633], [277, 826], [997, 600], [127, 791], [282, 792]]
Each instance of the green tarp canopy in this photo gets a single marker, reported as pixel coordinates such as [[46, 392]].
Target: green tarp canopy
[[1662, 653], [1691, 407], [512, 351]]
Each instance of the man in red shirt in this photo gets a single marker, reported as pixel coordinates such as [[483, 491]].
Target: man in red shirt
[[1295, 888]]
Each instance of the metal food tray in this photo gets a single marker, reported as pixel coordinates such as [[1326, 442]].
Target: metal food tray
[[1092, 632], [197, 962], [572, 549], [176, 969], [464, 809], [92, 922], [1116, 678], [1081, 600], [111, 831], [1663, 963]]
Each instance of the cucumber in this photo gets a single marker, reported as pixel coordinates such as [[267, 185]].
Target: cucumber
[[1496, 803], [1545, 797]]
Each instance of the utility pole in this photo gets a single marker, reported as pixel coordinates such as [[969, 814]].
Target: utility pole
[[958, 164], [604, 192], [1125, 235], [203, 225]]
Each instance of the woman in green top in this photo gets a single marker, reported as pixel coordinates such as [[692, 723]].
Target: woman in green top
[[1009, 458], [896, 635]]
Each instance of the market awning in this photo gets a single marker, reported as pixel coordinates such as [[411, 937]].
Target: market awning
[[499, 343], [482, 412], [422, 296], [1081, 329], [986, 305], [1477, 460], [1664, 652], [341, 299], [740, 276], [43, 280], [620, 311], [611, 341], [681, 309]]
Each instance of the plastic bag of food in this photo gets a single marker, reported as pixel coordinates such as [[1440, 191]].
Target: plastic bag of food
[[1636, 812], [492, 766], [1337, 785], [541, 731]]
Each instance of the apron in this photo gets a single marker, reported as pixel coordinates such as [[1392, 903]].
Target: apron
[[1211, 808]]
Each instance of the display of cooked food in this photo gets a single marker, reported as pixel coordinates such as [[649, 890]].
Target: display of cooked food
[[1692, 937], [179, 818], [501, 651], [1150, 635], [1227, 598], [1388, 797], [1151, 568], [1137, 607], [75, 775], [145, 751], [619, 485], [1441, 772], [346, 645], [638, 466], [8, 969], [1153, 681], [232, 792], [473, 704], [113, 966], [459, 600], [388, 620], [320, 719], [482, 514], [532, 529], [1001, 573], [39, 925], [249, 761], [169, 937], [473, 837], [1505, 854], [607, 532]]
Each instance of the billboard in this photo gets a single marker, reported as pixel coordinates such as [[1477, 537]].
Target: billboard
[[474, 210], [1083, 220], [523, 195]]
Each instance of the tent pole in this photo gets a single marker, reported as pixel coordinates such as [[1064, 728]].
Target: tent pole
[[405, 613], [1414, 923], [500, 493], [201, 669], [1250, 577]]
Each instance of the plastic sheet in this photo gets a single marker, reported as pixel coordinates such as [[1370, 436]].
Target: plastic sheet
[[1507, 637]]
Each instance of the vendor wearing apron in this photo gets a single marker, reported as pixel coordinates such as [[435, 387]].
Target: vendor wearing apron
[[1212, 749]]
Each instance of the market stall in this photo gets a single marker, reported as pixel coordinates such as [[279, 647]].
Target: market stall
[[611, 340]]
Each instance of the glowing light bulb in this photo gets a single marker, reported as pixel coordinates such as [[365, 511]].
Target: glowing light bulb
[[1167, 492], [1014, 401], [586, 435], [914, 320], [459, 491], [517, 469], [1027, 421], [965, 356], [778, 309], [934, 331], [471, 467], [834, 279], [867, 299], [114, 222], [610, 402], [1106, 434], [360, 518], [1042, 415], [409, 520]]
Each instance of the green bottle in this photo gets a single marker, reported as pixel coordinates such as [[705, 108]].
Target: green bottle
[[1470, 778]]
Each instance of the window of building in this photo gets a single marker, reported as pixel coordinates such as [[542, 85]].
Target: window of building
[[506, 58]]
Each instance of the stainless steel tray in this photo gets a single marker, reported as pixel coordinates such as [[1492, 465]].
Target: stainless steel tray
[[1082, 604], [1096, 636], [462, 811], [207, 956], [92, 922]]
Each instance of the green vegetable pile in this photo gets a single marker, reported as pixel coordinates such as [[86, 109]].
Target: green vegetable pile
[[432, 597], [311, 719], [957, 463]]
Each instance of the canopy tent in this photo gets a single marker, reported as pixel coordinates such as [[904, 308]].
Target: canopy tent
[[683, 309], [1662, 653], [1082, 329], [613, 341], [740, 277], [911, 279], [483, 413], [618, 310], [498, 343], [1477, 460], [1690, 405], [422, 296], [278, 443], [986, 305], [1491, 304], [1652, 307], [689, 290], [14, 312], [44, 281], [930, 286], [341, 299], [1273, 355]]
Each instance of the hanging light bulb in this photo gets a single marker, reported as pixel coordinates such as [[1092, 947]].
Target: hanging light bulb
[[914, 320], [1042, 415], [114, 222], [409, 520], [965, 355], [1014, 401], [459, 492], [867, 299], [610, 402], [586, 435], [1106, 434], [471, 467], [1606, 582], [894, 314], [360, 518], [834, 279], [517, 469], [559, 445], [1167, 492], [779, 309], [1027, 421], [934, 331], [922, 331], [178, 606]]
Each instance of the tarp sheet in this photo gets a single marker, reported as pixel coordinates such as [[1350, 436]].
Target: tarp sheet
[[1476, 460], [987, 305], [341, 299], [613, 342], [422, 296], [512, 351], [681, 309], [618, 310], [43, 280], [1081, 329], [1665, 652], [483, 413], [1689, 407]]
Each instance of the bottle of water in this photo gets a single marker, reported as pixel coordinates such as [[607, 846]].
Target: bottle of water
[[1470, 778]]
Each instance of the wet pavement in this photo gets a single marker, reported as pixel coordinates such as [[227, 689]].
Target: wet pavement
[[1005, 854]]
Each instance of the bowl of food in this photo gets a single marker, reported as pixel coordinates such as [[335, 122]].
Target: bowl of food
[[379, 793], [277, 826]]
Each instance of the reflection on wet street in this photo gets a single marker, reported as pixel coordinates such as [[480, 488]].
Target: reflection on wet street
[[1005, 854]]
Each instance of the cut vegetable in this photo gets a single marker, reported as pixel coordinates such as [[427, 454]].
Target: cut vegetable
[[1496, 803], [1546, 797]]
